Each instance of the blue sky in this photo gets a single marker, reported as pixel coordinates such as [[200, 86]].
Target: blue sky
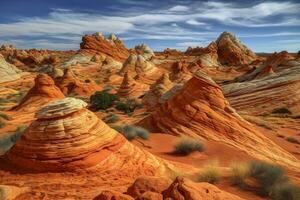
[[264, 26]]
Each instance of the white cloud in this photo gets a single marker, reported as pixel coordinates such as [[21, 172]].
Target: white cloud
[[179, 8], [194, 22]]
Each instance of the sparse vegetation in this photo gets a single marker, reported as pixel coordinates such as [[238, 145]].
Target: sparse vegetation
[[132, 132], [240, 172], [210, 173], [284, 111], [128, 106], [111, 118], [293, 140], [188, 145], [271, 178], [102, 100]]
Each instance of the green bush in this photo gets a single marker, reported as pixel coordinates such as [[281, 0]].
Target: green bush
[[131, 132], [188, 145], [102, 100], [210, 173], [240, 172], [281, 111], [293, 140], [111, 118], [267, 175], [128, 106], [285, 191]]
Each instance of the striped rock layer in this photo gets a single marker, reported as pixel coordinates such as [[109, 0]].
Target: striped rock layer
[[8, 72], [67, 137], [200, 110], [130, 88]]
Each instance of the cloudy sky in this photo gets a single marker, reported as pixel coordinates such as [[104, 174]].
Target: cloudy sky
[[265, 26]]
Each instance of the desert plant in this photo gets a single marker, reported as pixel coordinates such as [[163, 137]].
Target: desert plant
[[111, 118], [285, 191], [188, 145], [267, 175], [131, 132], [240, 172], [210, 173], [293, 140], [281, 111], [102, 100], [128, 106]]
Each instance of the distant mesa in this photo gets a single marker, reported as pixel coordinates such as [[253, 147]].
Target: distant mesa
[[44, 91], [98, 44], [8, 72], [68, 137], [206, 114]]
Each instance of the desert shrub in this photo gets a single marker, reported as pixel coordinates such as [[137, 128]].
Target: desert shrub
[[128, 106], [5, 116], [131, 132], [285, 191], [210, 173], [281, 111], [188, 145], [102, 100], [240, 172], [267, 175], [293, 140], [117, 128], [111, 118]]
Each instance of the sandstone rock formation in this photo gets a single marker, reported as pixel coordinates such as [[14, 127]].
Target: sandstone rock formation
[[77, 59], [98, 44], [130, 88], [8, 72], [137, 64], [277, 59], [70, 84], [42, 92], [180, 72], [67, 137], [232, 52], [161, 86], [145, 51], [206, 114], [112, 195], [279, 89], [182, 189]]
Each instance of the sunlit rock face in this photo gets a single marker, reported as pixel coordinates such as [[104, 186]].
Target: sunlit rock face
[[43, 92], [8, 72], [145, 51], [205, 113], [98, 44], [67, 137], [130, 88]]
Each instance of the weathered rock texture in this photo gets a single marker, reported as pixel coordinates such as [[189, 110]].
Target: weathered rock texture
[[98, 44], [277, 90], [137, 64], [206, 114], [180, 72], [130, 88], [68, 137], [145, 51], [8, 72], [161, 86], [232, 52], [41, 93], [70, 84]]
